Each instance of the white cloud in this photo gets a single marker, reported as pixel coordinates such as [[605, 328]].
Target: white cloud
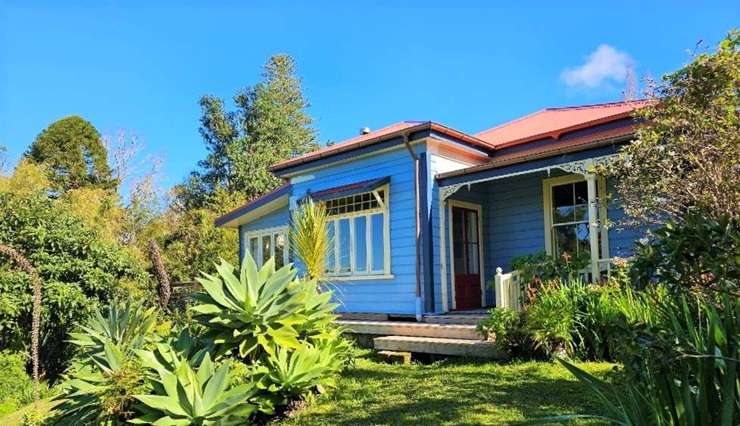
[[603, 64]]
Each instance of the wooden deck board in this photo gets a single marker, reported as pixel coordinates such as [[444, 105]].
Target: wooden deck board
[[415, 329], [441, 346]]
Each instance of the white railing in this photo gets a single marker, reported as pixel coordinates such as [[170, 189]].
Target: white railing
[[508, 290]]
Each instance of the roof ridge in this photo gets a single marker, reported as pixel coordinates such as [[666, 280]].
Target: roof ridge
[[597, 105]]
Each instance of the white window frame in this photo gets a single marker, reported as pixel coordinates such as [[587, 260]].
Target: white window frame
[[368, 273], [547, 185], [259, 233]]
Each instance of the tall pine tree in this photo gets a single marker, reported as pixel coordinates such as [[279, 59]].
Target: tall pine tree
[[269, 124], [74, 154]]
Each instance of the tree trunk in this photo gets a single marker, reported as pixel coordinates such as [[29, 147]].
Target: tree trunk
[[23, 264]]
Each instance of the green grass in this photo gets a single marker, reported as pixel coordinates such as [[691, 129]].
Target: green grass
[[451, 392], [460, 392]]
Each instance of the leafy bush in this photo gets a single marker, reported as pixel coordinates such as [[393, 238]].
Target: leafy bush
[[16, 386], [289, 373], [265, 339], [700, 254], [127, 325], [78, 272], [551, 319], [309, 238], [504, 327], [584, 320], [261, 309]]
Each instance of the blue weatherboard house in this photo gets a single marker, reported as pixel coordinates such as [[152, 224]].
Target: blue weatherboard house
[[424, 217]]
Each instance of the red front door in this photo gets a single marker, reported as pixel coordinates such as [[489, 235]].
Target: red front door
[[466, 257]]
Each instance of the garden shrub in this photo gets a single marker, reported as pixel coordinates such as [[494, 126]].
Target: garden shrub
[[107, 373], [700, 254], [551, 318], [16, 386], [504, 327], [78, 273]]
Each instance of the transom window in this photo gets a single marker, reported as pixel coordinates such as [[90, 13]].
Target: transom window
[[358, 227], [268, 243]]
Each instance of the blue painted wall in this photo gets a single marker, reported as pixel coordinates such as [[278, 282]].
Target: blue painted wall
[[396, 295]]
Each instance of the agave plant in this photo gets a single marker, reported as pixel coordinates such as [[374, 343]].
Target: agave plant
[[261, 309], [296, 372], [129, 326], [184, 395], [99, 387], [100, 391]]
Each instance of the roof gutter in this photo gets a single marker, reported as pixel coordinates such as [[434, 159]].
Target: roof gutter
[[417, 210]]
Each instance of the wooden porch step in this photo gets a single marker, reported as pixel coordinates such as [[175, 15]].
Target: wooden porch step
[[414, 329], [460, 319], [434, 345]]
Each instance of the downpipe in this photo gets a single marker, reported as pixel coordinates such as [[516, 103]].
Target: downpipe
[[417, 210]]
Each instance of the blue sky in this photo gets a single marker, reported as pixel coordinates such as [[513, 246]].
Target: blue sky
[[142, 66]]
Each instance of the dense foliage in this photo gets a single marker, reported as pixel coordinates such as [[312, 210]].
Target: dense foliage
[[73, 150], [687, 151], [77, 270], [266, 339], [701, 255], [16, 387]]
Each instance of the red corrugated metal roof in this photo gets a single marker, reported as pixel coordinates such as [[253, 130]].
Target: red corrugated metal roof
[[553, 122], [380, 135], [553, 148]]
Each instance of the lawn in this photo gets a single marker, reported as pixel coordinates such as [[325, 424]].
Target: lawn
[[451, 392]]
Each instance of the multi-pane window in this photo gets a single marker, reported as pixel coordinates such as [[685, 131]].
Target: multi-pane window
[[570, 218], [358, 228], [268, 243], [567, 218]]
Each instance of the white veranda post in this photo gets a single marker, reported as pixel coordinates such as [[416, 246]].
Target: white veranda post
[[593, 224]]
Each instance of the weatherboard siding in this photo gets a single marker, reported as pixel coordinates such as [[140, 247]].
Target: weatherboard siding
[[396, 295]]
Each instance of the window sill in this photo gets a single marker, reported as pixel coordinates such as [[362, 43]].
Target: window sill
[[338, 279]]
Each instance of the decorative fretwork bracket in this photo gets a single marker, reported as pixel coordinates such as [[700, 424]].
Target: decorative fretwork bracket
[[446, 191], [587, 166]]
